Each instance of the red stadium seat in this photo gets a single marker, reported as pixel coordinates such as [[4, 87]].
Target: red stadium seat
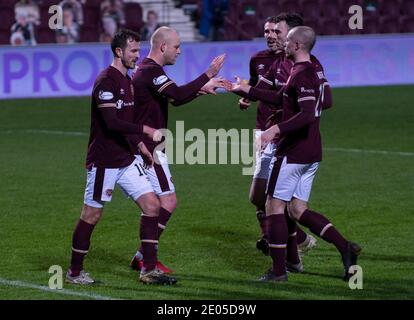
[[329, 9], [268, 8], [328, 26], [231, 30], [133, 16], [389, 8], [290, 6], [344, 27], [249, 30], [311, 9], [4, 37], [45, 35], [91, 16], [371, 25], [389, 25], [407, 8], [406, 24], [9, 4], [7, 19], [89, 34]]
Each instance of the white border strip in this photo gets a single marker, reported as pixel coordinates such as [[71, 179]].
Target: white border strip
[[22, 284]]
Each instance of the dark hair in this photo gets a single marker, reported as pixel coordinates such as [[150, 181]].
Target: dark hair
[[292, 19], [121, 38]]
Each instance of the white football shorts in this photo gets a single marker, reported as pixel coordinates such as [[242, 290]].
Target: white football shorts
[[291, 180], [100, 183], [263, 159]]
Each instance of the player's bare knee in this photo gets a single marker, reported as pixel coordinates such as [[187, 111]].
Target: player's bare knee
[[149, 204], [296, 209], [169, 202], [91, 215]]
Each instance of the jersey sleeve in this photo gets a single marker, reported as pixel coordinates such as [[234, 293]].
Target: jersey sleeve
[[163, 85], [306, 92], [104, 93]]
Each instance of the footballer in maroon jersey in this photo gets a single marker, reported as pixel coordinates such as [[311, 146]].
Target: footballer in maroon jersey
[[111, 161], [154, 90], [270, 69], [298, 156]]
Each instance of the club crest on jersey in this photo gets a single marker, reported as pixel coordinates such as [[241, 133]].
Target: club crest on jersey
[[119, 104], [109, 192], [160, 80], [122, 91], [261, 66], [105, 95]]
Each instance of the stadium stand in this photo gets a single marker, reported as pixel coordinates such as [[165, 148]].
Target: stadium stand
[[244, 18]]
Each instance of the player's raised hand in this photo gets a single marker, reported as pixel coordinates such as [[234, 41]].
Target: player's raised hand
[[215, 66], [146, 155], [244, 103], [240, 85]]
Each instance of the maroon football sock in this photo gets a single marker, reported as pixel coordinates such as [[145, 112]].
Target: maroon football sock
[[323, 228], [278, 234], [149, 241], [81, 240], [300, 235], [165, 215], [262, 219], [292, 246]]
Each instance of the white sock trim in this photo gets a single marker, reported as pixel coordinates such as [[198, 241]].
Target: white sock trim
[[325, 228]]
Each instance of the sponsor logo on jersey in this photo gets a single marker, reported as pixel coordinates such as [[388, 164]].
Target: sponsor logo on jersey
[[160, 80], [302, 89], [119, 104], [105, 95], [261, 66]]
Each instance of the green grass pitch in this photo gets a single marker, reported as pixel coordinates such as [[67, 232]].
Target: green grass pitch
[[210, 240]]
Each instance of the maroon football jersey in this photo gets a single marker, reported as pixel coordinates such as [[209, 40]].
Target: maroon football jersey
[[154, 90], [302, 106], [107, 147], [259, 65]]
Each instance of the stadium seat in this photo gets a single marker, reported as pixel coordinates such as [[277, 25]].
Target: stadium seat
[[328, 26], [249, 29], [344, 6], [91, 16], [231, 31], [389, 8], [371, 25], [290, 6], [329, 9], [268, 8], [407, 8], [7, 4], [45, 35], [406, 24], [4, 37], [89, 34], [389, 24], [344, 27], [7, 19], [311, 8], [133, 16]]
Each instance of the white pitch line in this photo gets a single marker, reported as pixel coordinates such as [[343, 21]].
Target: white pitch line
[[22, 284], [348, 150]]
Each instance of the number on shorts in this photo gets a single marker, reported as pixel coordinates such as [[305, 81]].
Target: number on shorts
[[140, 169]]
